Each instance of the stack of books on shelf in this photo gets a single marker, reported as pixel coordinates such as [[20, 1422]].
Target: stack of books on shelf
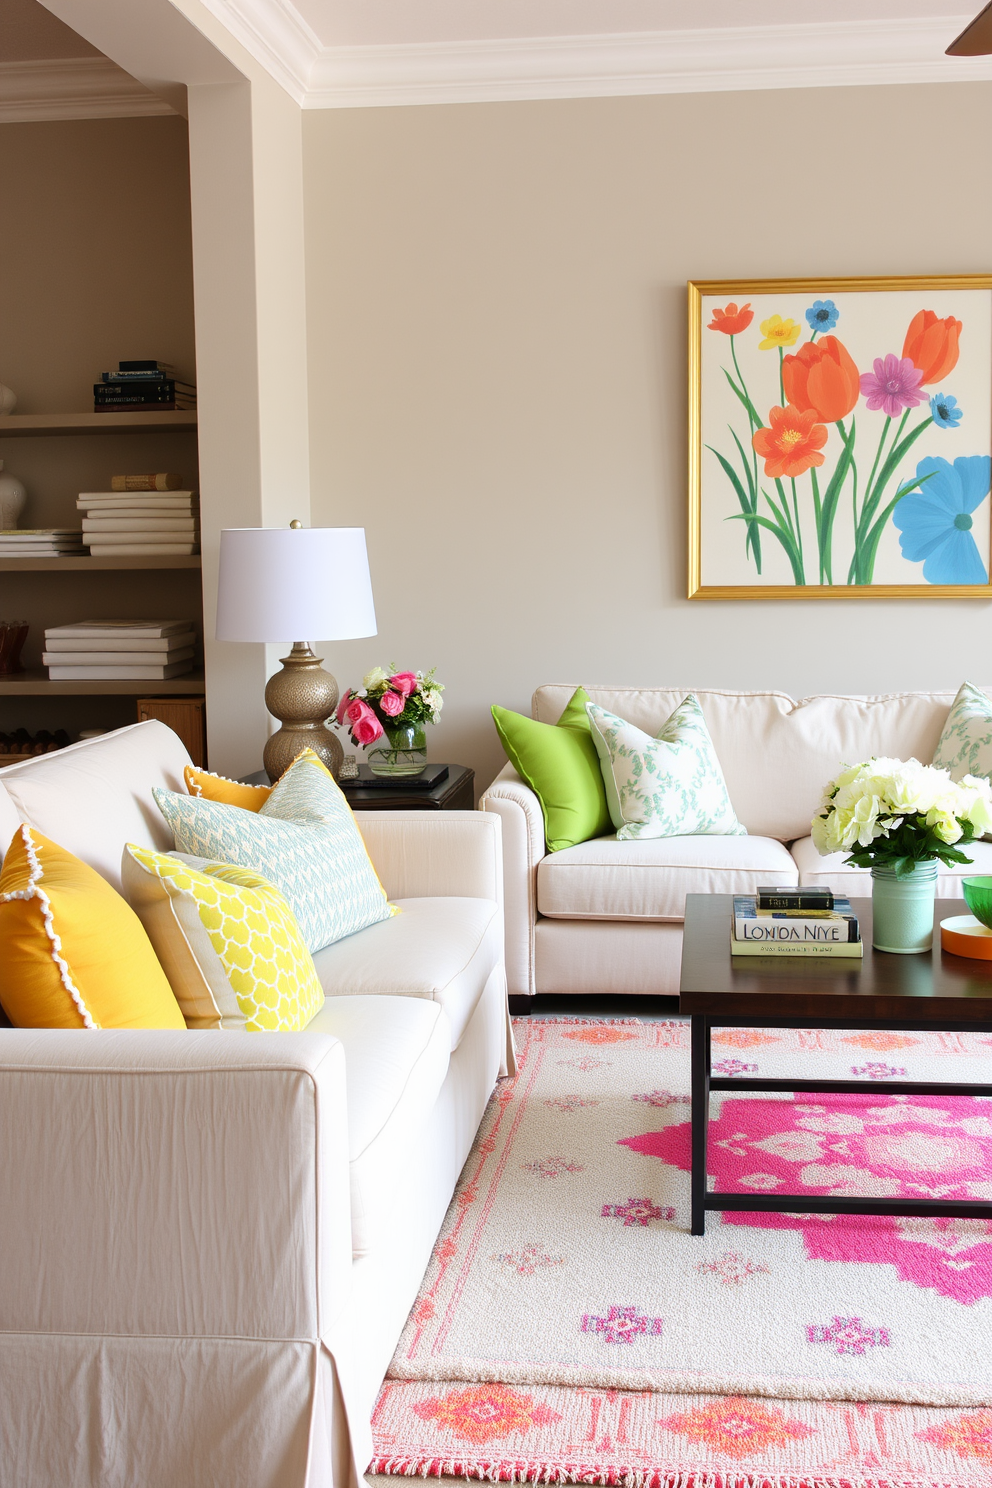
[[119, 650], [140, 385], [814, 923], [41, 542], [141, 515]]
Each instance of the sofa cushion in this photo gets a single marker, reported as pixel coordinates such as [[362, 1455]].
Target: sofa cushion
[[442, 950], [396, 1059], [303, 839], [9, 821], [93, 797], [778, 754], [965, 746], [834, 873], [649, 879], [75, 954], [228, 942], [560, 764]]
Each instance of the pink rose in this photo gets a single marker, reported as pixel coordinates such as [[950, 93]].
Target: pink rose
[[343, 705], [356, 710], [366, 730], [404, 682], [392, 704]]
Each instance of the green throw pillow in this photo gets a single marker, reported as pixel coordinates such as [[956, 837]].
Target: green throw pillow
[[669, 786], [965, 746], [560, 764]]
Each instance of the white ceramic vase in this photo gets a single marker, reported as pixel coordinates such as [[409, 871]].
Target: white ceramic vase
[[12, 499], [8, 400]]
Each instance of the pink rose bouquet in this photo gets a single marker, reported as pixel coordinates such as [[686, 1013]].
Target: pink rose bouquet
[[390, 700]]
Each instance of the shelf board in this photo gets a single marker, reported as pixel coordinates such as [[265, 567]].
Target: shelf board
[[143, 421], [39, 684], [92, 565]]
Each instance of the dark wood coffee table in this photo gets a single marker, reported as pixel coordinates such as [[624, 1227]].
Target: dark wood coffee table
[[935, 992]]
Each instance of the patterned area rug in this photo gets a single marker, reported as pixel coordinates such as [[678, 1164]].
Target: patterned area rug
[[570, 1329]]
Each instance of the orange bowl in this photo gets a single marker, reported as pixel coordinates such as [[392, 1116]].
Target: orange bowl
[[963, 935]]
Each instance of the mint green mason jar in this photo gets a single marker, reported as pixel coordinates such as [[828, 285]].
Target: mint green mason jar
[[902, 909]]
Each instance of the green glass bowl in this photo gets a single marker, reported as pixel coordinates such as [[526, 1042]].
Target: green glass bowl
[[978, 897]]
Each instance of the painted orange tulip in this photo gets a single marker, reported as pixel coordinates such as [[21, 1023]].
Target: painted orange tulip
[[822, 377], [731, 320], [932, 344], [792, 444]]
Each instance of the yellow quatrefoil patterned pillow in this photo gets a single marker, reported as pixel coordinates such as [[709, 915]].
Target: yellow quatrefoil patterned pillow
[[227, 941]]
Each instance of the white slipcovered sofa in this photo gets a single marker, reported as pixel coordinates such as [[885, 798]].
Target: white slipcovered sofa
[[606, 916], [209, 1242]]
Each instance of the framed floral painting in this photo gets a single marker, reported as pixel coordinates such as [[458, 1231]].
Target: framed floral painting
[[840, 438]]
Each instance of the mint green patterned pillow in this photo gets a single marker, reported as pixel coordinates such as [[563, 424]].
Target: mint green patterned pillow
[[670, 786], [304, 840], [965, 746]]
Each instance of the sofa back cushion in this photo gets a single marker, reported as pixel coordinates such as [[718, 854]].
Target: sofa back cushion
[[9, 819], [93, 797], [778, 754]]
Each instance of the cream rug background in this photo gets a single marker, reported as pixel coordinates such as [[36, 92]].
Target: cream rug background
[[565, 1259]]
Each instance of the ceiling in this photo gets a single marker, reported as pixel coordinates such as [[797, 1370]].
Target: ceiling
[[368, 53], [378, 22]]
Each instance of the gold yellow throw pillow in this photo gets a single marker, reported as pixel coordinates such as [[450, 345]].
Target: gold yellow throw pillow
[[229, 792], [228, 941], [74, 955]]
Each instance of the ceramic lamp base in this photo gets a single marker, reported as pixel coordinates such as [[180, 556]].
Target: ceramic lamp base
[[302, 696]]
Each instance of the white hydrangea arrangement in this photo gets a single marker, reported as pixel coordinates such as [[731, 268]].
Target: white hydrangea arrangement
[[897, 813]]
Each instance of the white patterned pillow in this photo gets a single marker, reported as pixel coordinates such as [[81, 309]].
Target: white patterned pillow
[[669, 786], [304, 840], [965, 746]]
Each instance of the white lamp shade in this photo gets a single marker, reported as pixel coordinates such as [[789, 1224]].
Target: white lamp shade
[[294, 584]]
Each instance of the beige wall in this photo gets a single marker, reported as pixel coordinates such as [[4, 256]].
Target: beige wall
[[496, 302]]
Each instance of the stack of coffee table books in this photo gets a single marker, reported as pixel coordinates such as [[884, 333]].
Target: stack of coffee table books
[[119, 650], [811, 923]]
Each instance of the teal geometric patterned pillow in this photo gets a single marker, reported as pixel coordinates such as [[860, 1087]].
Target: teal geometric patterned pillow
[[670, 786], [304, 840], [965, 746]]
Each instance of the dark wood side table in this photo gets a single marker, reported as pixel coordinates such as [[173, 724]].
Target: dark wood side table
[[934, 991], [456, 792]]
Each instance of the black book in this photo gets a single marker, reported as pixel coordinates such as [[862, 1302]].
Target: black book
[[806, 898], [145, 366], [429, 776]]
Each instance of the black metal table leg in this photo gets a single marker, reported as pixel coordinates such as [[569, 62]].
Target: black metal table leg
[[700, 1118]]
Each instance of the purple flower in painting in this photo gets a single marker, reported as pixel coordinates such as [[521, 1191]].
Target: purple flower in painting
[[893, 385]]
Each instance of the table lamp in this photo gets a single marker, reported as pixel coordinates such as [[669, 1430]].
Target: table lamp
[[276, 583]]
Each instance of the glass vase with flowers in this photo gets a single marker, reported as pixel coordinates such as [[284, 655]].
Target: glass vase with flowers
[[394, 707]]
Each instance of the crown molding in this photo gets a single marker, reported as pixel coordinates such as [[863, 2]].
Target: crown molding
[[276, 35], [73, 88], [829, 54]]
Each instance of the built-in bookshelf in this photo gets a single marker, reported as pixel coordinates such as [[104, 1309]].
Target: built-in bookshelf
[[57, 455]]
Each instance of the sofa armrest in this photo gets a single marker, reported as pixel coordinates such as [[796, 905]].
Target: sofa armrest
[[178, 1184], [435, 854], [519, 809]]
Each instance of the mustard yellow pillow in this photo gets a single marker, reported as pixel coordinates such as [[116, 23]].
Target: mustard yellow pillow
[[228, 941], [74, 954], [229, 792]]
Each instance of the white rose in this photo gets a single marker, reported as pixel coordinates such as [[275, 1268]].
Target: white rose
[[374, 678]]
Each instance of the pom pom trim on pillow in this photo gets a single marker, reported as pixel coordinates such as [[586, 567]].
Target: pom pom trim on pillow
[[35, 891]]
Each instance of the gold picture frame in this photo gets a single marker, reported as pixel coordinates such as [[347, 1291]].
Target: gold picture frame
[[779, 532]]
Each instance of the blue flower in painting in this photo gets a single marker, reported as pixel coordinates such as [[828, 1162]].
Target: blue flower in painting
[[944, 411], [822, 315], [935, 521]]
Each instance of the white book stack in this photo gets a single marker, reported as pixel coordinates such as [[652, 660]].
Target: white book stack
[[121, 650], [40, 542], [127, 524]]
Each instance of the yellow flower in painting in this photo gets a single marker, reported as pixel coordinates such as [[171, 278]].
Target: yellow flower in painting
[[778, 332]]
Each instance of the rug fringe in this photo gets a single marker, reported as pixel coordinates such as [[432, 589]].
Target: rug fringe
[[502, 1470], [529, 1020]]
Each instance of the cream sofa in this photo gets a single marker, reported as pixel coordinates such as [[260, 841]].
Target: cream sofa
[[606, 916], [210, 1241]]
